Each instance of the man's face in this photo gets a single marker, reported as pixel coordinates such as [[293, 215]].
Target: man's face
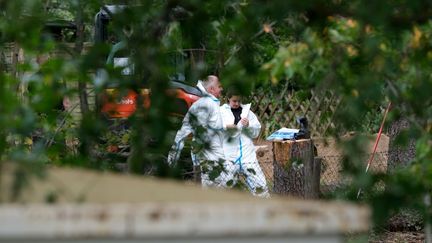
[[234, 101], [216, 89]]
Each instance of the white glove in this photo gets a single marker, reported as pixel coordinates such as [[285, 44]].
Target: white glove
[[174, 153]]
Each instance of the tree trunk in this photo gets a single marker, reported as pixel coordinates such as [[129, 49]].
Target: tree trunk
[[296, 170], [79, 43]]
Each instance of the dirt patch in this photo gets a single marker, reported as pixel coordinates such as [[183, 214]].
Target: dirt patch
[[396, 237]]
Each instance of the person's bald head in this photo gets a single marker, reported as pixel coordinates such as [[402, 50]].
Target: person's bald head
[[213, 86]]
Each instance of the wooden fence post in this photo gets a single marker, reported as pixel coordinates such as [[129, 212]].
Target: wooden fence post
[[196, 174], [296, 170]]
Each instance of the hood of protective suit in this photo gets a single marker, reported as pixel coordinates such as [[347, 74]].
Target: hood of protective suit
[[201, 87]]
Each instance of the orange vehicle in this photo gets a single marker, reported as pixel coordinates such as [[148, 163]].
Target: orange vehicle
[[112, 103], [113, 107]]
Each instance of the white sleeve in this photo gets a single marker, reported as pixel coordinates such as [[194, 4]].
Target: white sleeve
[[185, 129], [214, 117], [225, 117], [254, 128], [176, 148]]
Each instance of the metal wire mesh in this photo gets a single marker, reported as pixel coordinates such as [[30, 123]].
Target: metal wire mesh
[[331, 170]]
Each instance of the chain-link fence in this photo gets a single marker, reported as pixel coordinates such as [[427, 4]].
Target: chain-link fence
[[331, 169], [331, 175]]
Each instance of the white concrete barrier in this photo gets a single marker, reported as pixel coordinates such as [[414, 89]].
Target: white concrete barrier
[[164, 215]]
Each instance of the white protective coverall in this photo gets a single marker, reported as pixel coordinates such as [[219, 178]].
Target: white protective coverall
[[240, 150], [204, 121]]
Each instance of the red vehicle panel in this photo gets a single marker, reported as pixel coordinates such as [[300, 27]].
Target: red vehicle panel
[[114, 107]]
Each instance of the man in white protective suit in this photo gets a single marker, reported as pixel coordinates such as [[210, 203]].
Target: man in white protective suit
[[241, 125], [204, 121]]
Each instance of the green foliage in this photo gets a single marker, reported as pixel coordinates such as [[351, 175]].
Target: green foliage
[[369, 52], [369, 61]]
